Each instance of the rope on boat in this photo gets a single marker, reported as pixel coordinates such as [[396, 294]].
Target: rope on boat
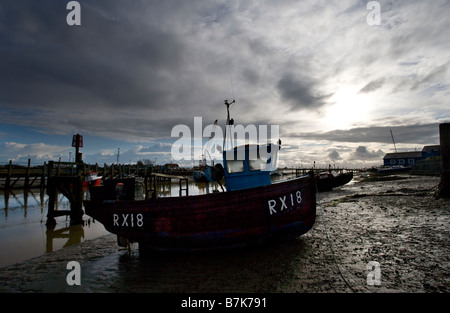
[[329, 241]]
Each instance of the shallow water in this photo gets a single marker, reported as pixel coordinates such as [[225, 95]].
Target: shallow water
[[23, 233]]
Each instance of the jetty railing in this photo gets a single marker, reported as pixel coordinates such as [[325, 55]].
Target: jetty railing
[[19, 176], [297, 171]]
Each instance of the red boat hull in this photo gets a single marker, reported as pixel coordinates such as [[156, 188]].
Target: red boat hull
[[214, 220]]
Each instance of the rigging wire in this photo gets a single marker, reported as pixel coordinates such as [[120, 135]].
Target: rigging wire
[[209, 145], [329, 241]]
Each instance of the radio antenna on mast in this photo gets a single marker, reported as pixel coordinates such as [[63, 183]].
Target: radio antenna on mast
[[230, 122], [232, 88]]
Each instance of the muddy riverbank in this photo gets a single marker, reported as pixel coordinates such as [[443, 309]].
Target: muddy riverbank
[[396, 225]]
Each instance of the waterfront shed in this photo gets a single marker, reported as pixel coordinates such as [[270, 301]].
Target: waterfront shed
[[402, 158]]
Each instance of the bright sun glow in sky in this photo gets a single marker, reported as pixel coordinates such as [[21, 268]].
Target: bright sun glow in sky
[[348, 109]]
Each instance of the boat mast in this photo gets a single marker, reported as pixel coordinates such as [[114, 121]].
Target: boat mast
[[229, 123], [395, 148]]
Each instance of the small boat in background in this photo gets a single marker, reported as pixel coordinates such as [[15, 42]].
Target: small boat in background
[[92, 179], [328, 181], [199, 176], [207, 173], [393, 169]]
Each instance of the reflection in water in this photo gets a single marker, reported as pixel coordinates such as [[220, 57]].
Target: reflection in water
[[23, 234], [18, 201], [74, 234]]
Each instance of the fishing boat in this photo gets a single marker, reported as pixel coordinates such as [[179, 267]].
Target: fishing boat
[[328, 181], [251, 209]]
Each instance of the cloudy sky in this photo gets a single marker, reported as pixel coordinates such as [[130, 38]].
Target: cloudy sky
[[334, 81]]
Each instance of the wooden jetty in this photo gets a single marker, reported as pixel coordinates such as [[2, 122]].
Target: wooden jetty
[[18, 176], [304, 171], [158, 179]]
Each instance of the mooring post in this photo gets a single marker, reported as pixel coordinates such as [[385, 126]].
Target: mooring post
[[76, 206], [27, 175], [444, 134], [44, 170], [51, 192], [8, 176]]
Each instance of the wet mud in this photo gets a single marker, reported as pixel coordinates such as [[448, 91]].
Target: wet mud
[[394, 226]]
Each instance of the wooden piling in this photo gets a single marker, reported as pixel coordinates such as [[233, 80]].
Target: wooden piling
[[444, 134], [51, 192], [8, 176], [76, 205], [44, 175], [71, 187], [27, 175]]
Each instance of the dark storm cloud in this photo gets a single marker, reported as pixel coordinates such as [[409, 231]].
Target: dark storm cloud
[[334, 155], [107, 62], [421, 133], [361, 153], [300, 92]]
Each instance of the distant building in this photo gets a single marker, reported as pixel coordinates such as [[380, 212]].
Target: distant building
[[402, 158], [412, 157], [429, 151]]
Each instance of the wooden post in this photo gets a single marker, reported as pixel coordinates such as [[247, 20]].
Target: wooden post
[[145, 187], [25, 200], [444, 133], [44, 169], [155, 193], [8, 176], [51, 192], [27, 175], [76, 207]]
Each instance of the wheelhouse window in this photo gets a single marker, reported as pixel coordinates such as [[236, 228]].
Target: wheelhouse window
[[410, 161], [235, 166], [260, 164], [393, 162]]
